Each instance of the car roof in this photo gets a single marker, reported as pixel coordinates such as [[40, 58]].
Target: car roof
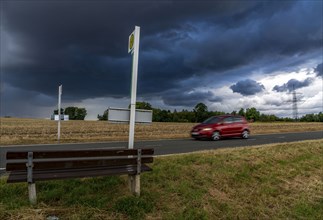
[[225, 116]]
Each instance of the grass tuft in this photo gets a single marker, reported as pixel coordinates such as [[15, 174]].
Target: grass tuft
[[134, 207]]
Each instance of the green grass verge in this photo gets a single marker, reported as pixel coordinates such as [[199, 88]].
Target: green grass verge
[[281, 181]]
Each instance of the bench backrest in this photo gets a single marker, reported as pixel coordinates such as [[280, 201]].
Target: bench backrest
[[32, 166], [77, 158]]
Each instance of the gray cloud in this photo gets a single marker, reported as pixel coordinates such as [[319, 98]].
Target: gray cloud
[[319, 70], [247, 87], [293, 84], [275, 103], [30, 103], [189, 98]]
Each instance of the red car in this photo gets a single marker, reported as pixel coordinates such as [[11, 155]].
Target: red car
[[217, 127]]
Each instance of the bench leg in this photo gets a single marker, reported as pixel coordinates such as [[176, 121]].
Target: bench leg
[[32, 193], [131, 183], [134, 184], [137, 185]]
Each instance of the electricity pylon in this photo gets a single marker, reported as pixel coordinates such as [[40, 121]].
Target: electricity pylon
[[295, 109], [294, 101]]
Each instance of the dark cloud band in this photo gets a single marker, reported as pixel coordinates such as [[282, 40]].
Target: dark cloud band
[[83, 45]]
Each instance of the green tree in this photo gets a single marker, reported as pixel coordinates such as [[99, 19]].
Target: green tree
[[320, 116], [162, 115], [142, 105], [56, 111], [200, 112], [175, 117], [104, 117], [71, 112], [241, 112], [75, 113], [81, 113], [312, 117], [268, 118], [200, 107], [186, 116], [252, 114]]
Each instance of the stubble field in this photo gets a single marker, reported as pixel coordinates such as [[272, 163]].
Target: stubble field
[[15, 131]]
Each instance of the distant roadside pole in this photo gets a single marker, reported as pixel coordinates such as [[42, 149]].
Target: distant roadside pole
[[59, 113]]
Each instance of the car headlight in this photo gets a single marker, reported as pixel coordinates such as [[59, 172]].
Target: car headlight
[[206, 129]]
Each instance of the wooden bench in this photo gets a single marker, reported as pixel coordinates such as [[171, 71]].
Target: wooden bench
[[35, 166]]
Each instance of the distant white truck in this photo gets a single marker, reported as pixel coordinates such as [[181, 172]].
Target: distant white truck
[[63, 117]]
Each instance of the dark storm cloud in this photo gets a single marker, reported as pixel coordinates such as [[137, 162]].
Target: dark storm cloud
[[83, 44], [293, 84], [29, 102], [247, 87], [188, 98], [319, 70]]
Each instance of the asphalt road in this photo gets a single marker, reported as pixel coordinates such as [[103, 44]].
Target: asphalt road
[[165, 147]]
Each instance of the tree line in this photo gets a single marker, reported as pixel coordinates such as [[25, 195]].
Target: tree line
[[201, 113], [198, 114]]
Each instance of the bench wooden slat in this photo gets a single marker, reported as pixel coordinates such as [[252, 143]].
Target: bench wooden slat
[[76, 163], [21, 176], [77, 153]]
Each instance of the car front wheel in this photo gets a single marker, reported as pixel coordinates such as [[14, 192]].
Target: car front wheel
[[216, 136], [245, 134]]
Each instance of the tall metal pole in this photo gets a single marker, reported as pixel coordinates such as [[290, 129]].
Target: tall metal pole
[[59, 113], [135, 57]]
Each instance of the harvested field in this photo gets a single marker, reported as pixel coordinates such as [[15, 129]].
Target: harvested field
[[16, 131]]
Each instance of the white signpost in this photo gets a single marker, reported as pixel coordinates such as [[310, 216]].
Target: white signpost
[[59, 113], [133, 48], [132, 115]]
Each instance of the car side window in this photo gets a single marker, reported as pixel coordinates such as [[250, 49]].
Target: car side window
[[228, 120], [238, 120]]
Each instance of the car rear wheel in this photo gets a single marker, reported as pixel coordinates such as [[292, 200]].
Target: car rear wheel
[[216, 136], [245, 134]]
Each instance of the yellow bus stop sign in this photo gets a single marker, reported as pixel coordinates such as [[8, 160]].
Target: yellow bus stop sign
[[131, 42]]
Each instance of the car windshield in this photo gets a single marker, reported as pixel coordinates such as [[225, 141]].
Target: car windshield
[[212, 120]]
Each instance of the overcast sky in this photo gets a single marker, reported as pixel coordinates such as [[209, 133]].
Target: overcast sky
[[226, 54]]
